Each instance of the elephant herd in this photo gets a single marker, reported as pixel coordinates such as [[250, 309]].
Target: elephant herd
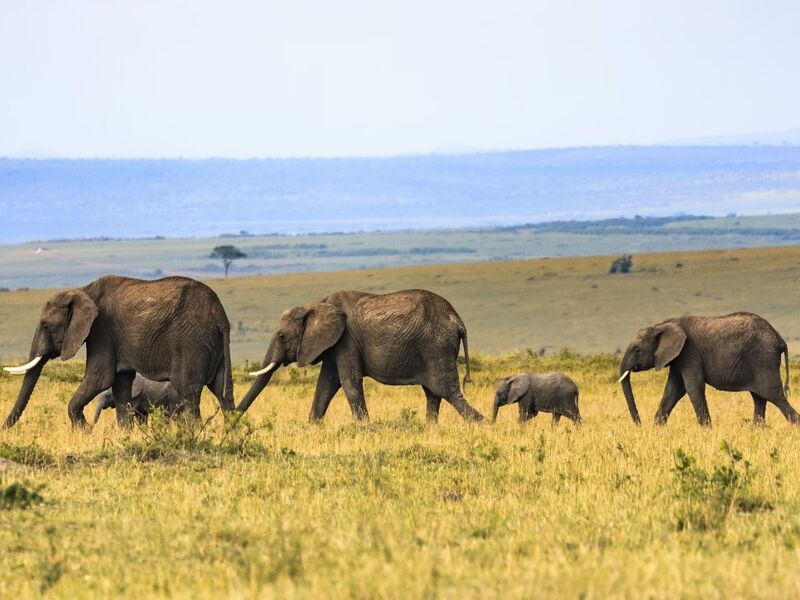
[[159, 343]]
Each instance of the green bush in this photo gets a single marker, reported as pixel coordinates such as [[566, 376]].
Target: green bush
[[19, 495], [30, 455], [706, 499]]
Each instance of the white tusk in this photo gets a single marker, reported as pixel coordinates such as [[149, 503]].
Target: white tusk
[[23, 368], [624, 375], [266, 369]]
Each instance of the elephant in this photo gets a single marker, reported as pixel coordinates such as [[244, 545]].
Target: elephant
[[172, 329], [551, 392], [409, 337], [734, 353], [146, 395]]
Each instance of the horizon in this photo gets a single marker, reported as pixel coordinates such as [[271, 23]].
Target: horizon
[[793, 132]]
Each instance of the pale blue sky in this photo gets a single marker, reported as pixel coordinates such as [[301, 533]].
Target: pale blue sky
[[340, 78]]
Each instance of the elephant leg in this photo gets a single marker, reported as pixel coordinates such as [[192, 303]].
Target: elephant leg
[[526, 408], [433, 403], [354, 390], [94, 382], [327, 385], [190, 396], [456, 398], [759, 410], [696, 388], [674, 390], [525, 412], [122, 396], [778, 398]]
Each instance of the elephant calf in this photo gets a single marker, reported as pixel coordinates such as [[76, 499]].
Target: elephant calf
[[539, 392], [146, 395]]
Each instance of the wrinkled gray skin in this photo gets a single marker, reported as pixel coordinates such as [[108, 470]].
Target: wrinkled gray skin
[[410, 337], [539, 392], [172, 329], [146, 396], [735, 353]]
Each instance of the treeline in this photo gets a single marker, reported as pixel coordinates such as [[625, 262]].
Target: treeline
[[278, 251], [652, 226]]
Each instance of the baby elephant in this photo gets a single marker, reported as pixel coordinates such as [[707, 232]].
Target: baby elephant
[[145, 396], [539, 392]]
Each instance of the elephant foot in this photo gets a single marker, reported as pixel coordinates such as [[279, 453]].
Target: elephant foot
[[79, 423]]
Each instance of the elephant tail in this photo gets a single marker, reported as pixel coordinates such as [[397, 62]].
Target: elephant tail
[[462, 334], [227, 378], [786, 359]]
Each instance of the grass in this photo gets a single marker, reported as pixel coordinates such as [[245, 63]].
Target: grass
[[276, 507], [542, 304]]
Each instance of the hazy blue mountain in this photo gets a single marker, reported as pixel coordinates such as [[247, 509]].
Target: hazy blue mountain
[[786, 137], [45, 199]]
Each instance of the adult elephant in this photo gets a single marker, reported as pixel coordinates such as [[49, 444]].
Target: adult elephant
[[735, 353], [402, 338], [173, 329]]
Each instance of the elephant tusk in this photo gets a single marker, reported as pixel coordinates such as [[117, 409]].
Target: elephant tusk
[[23, 368], [266, 369], [624, 375]]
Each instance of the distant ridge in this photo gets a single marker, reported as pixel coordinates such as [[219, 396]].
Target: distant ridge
[[787, 137]]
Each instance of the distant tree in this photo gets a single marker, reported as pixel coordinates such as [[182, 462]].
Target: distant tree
[[622, 264], [227, 254]]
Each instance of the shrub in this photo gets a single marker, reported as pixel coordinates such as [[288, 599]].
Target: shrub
[[705, 499], [622, 264], [165, 439], [30, 455], [18, 495]]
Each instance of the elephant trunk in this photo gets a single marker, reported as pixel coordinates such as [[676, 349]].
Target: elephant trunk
[[258, 385], [103, 402], [625, 370], [31, 377], [265, 374], [498, 402]]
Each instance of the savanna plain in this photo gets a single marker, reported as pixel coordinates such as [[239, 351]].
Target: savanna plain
[[270, 506]]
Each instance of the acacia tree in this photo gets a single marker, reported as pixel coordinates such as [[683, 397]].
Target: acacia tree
[[227, 254]]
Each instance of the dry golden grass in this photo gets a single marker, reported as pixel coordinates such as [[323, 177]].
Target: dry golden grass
[[397, 508]]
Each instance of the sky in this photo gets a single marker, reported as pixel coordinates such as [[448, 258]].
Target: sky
[[236, 79]]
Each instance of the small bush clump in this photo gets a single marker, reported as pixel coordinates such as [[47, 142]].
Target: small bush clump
[[705, 499], [165, 439], [30, 455], [19, 495], [623, 264]]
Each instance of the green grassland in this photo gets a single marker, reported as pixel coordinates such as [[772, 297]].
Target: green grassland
[[69, 263], [272, 506]]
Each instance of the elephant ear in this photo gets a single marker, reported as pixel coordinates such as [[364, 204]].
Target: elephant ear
[[670, 339], [520, 384], [323, 326], [82, 312], [136, 387]]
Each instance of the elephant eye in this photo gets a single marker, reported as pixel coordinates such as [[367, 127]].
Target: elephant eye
[[44, 325], [281, 336]]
